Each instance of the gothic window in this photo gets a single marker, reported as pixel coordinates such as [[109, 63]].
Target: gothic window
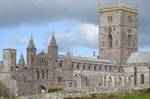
[[42, 74], [47, 73], [76, 80], [38, 74], [94, 67], [99, 67], [129, 19], [135, 75], [142, 78], [110, 81], [105, 68], [110, 40], [129, 40], [72, 65], [83, 67], [120, 81], [89, 67], [59, 79], [110, 19], [78, 66], [60, 64]]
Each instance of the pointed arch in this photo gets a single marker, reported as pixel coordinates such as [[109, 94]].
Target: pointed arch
[[142, 78], [43, 74], [120, 81], [38, 74], [129, 40], [109, 37], [110, 81]]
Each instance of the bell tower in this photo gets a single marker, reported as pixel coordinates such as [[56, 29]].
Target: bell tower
[[118, 24]]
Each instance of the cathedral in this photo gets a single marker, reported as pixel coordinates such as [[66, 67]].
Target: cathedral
[[119, 63]]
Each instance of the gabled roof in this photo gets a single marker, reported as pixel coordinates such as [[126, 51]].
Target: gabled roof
[[139, 57]]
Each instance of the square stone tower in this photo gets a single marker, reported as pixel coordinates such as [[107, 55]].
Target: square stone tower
[[117, 32]]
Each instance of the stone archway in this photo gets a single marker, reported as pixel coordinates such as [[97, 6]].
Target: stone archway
[[76, 80], [120, 82], [128, 81], [110, 82], [41, 89]]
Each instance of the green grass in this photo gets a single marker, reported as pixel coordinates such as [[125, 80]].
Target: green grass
[[135, 97], [140, 94], [53, 90]]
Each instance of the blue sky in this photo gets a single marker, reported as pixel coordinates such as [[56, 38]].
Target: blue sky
[[75, 23]]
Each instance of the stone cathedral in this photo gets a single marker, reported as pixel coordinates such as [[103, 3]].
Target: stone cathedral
[[119, 63]]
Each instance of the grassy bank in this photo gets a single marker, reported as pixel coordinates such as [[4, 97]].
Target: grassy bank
[[140, 94]]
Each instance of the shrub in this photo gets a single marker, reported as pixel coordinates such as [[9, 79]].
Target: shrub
[[53, 90]]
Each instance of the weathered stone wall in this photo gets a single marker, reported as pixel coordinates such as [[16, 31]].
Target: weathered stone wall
[[80, 92]]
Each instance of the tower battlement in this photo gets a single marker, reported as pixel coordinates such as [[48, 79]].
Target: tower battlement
[[113, 5]]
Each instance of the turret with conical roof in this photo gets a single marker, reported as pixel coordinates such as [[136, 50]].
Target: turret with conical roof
[[53, 48], [21, 61], [31, 53]]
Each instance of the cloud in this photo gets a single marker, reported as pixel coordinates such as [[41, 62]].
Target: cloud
[[17, 40], [86, 36], [90, 34], [17, 12]]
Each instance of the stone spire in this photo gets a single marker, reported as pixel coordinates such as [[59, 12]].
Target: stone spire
[[31, 44], [21, 61], [53, 41]]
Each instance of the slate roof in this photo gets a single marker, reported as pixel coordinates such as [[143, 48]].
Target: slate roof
[[139, 57]]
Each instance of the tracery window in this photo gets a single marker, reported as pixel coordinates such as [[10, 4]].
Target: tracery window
[[129, 40], [43, 74], [142, 78], [110, 40], [38, 74]]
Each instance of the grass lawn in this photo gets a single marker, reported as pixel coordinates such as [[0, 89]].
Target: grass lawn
[[136, 97], [140, 94]]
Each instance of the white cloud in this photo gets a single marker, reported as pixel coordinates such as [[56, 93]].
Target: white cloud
[[89, 32], [17, 40], [86, 35]]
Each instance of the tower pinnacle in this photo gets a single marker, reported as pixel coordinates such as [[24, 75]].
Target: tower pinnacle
[[31, 43], [21, 61], [53, 41]]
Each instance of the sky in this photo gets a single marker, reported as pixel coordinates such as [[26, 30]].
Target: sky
[[75, 23]]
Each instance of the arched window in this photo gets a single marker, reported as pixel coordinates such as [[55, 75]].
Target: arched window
[[47, 73], [142, 78], [110, 40], [42, 74], [38, 74], [129, 40]]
